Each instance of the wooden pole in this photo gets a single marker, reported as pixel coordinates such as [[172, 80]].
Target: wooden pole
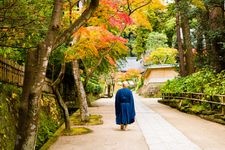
[[223, 106]]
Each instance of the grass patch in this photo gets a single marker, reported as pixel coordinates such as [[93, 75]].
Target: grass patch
[[76, 131], [93, 120], [75, 119]]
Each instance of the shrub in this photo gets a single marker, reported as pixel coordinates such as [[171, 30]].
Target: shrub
[[205, 81], [93, 87], [197, 108]]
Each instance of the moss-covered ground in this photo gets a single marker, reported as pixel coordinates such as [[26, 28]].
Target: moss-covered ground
[[78, 128]]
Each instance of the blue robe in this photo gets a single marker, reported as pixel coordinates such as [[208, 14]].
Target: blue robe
[[124, 106]]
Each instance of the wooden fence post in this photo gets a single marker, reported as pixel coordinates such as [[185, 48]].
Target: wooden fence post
[[223, 106]]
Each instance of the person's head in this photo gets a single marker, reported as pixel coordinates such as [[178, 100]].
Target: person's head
[[125, 85]]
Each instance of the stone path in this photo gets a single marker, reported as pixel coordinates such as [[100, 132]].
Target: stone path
[[158, 133], [150, 131]]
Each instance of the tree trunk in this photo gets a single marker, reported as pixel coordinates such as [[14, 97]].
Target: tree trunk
[[34, 78], [200, 48], [109, 90], [180, 47], [187, 44], [216, 23], [81, 92], [35, 70], [202, 39], [28, 112], [64, 108], [59, 97]]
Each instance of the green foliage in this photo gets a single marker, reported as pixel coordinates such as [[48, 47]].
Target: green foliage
[[162, 56], [140, 83], [9, 101], [197, 81], [24, 22], [9, 104], [23, 25], [46, 129], [205, 81], [139, 40], [156, 40], [174, 86], [216, 85], [169, 30], [93, 87], [185, 102], [55, 60], [164, 22], [198, 108]]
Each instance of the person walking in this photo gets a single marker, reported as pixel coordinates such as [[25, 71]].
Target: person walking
[[124, 107]]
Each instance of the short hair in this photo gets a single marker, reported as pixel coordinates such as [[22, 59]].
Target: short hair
[[124, 84]]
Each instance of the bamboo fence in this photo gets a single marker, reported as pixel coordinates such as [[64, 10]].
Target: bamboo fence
[[11, 72]]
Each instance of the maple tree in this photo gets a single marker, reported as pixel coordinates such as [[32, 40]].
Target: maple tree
[[103, 35], [133, 74], [102, 47], [130, 75], [138, 10]]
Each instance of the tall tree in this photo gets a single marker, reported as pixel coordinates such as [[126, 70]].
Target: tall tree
[[81, 92], [184, 45], [189, 57], [103, 35], [180, 45], [216, 34], [35, 70]]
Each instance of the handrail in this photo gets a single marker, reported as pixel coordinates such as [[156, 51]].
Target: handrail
[[220, 99], [200, 97]]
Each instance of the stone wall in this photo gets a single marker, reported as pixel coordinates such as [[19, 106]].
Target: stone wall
[[9, 104]]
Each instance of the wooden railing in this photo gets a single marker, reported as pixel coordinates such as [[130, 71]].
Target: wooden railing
[[197, 97], [10, 72]]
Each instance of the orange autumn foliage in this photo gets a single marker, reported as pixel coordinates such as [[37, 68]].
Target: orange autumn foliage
[[95, 42]]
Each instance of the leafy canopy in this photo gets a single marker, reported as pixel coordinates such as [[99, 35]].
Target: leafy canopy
[[162, 56], [156, 40], [95, 41]]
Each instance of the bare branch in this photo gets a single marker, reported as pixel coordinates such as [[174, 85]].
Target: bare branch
[[132, 11], [128, 7]]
